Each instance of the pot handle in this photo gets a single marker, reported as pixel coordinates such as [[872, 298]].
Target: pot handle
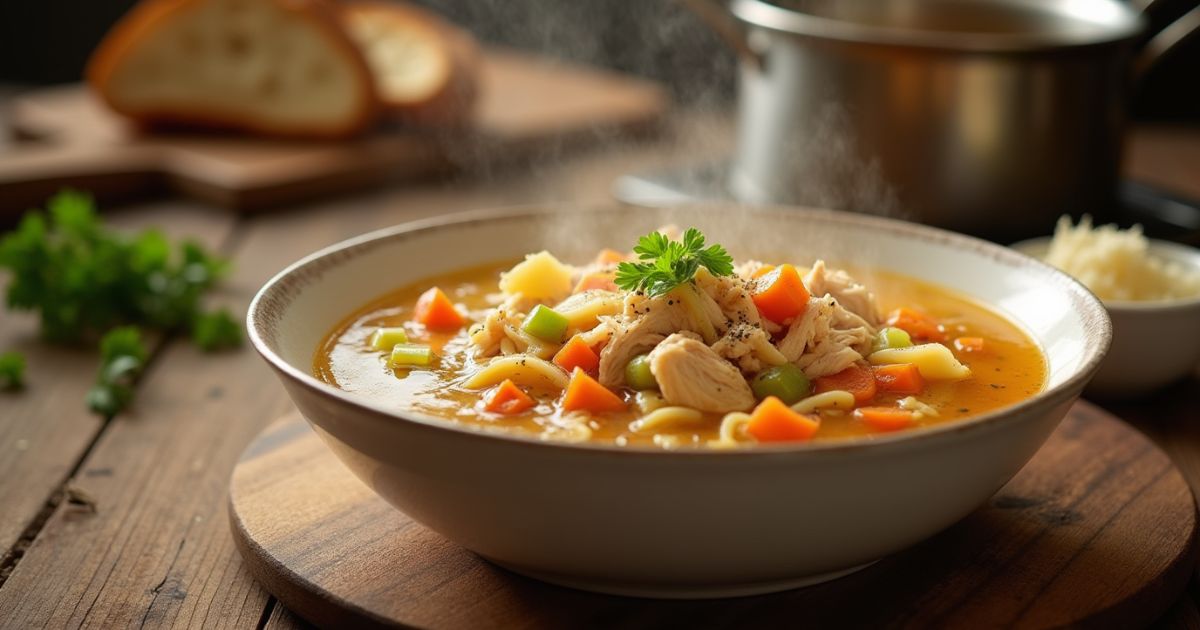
[[1157, 45], [716, 15]]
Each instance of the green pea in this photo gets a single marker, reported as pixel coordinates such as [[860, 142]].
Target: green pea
[[785, 382], [638, 374]]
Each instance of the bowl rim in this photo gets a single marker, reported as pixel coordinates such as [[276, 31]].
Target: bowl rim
[[1094, 312], [1168, 305]]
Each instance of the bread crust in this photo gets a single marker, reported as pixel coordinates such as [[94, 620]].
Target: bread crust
[[453, 102], [148, 14]]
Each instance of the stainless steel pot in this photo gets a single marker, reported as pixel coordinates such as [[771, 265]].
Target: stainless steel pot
[[986, 116]]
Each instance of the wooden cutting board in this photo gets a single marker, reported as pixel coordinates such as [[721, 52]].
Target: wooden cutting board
[[527, 104], [1111, 547]]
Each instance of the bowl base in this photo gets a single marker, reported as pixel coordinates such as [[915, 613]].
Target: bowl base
[[672, 591]]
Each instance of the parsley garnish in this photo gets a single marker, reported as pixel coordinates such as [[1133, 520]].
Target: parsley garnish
[[12, 370], [84, 280], [122, 357], [668, 264]]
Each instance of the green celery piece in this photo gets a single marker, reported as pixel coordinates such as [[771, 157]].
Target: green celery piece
[[891, 337], [546, 324], [785, 382], [410, 354], [638, 374], [384, 339]]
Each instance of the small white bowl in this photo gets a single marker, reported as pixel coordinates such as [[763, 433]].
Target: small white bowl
[[1155, 343], [684, 523]]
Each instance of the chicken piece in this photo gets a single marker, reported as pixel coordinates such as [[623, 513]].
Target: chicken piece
[[853, 296], [826, 338], [488, 336], [644, 323], [749, 347], [732, 296], [806, 329], [690, 374]]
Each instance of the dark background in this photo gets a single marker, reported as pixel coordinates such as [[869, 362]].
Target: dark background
[[48, 41]]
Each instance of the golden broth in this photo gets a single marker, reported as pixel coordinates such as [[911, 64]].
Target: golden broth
[[1010, 369]]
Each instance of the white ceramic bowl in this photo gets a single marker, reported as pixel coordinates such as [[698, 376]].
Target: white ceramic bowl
[[1154, 343], [683, 523]]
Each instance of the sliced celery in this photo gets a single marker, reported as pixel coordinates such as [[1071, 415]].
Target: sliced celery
[[410, 354], [546, 324], [785, 382], [638, 374], [387, 338], [892, 337]]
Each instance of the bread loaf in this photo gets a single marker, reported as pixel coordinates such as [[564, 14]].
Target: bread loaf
[[274, 67], [425, 68]]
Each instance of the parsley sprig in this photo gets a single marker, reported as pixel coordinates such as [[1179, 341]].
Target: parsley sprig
[[87, 282], [666, 264]]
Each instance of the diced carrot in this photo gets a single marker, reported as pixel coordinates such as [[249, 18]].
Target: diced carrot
[[857, 379], [901, 378], [437, 312], [507, 398], [780, 295], [577, 354], [602, 280], [762, 271], [773, 421], [886, 418], [969, 344], [917, 324], [585, 394], [610, 257]]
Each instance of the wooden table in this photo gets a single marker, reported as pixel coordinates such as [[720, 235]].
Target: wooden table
[[124, 523]]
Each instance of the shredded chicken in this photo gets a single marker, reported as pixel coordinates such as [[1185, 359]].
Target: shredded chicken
[[827, 338], [643, 324], [851, 295], [690, 374], [749, 347]]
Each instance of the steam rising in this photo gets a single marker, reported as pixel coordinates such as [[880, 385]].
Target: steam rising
[[661, 39]]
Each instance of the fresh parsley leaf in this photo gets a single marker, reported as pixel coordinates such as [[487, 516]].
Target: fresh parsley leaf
[[12, 371], [84, 279], [123, 355], [667, 264], [215, 330]]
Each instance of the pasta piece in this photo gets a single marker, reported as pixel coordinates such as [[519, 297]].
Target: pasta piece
[[665, 417], [733, 431], [648, 400], [584, 310], [836, 399], [921, 409], [934, 360], [522, 369]]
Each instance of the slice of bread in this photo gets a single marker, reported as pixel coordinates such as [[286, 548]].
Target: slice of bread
[[426, 69], [274, 67]]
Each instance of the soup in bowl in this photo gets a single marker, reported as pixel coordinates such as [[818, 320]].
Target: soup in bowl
[[588, 397]]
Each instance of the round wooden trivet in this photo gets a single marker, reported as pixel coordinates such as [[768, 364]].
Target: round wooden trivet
[[1097, 530]]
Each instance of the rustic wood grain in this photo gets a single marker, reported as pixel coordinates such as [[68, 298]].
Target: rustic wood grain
[[526, 104], [1098, 529], [47, 427]]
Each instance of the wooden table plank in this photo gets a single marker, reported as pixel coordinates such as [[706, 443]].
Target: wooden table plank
[[47, 427], [158, 547]]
